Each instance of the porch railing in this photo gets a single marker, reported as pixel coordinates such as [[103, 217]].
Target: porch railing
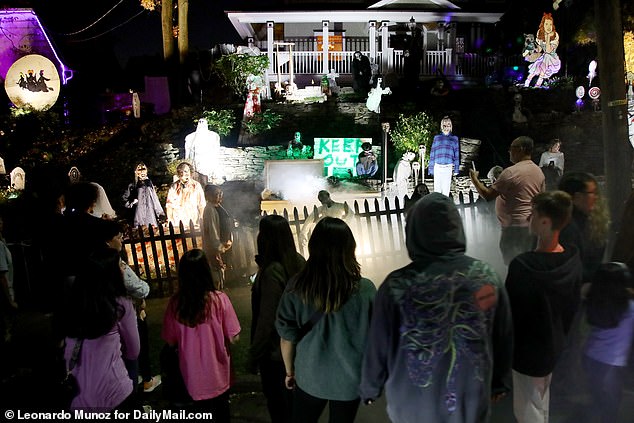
[[445, 62]]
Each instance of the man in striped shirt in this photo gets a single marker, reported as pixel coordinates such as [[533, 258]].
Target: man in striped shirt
[[444, 158]]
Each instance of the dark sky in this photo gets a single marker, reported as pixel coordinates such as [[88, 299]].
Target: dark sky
[[137, 33]]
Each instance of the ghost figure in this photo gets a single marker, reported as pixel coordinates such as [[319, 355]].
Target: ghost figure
[[373, 102], [202, 149], [592, 72], [402, 173]]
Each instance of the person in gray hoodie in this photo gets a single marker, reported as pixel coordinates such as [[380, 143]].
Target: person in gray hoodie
[[440, 340]]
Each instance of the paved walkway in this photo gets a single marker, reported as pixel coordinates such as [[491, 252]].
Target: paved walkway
[[30, 359], [249, 405]]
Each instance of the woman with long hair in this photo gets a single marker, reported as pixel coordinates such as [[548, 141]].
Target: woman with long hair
[[201, 323], [323, 320], [278, 261], [99, 314], [610, 313]]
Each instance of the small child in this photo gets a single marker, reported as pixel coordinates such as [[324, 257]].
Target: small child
[[610, 313]]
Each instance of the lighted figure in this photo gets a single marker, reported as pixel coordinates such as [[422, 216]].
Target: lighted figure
[[402, 173], [530, 52], [373, 103], [444, 157], [332, 82], [329, 208], [295, 146], [136, 105], [202, 149], [31, 81], [141, 198], [41, 83], [18, 178], [361, 73], [592, 72], [366, 166], [548, 63], [185, 198], [22, 81], [253, 105], [519, 115], [552, 164]]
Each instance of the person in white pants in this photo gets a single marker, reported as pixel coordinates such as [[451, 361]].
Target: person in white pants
[[444, 157]]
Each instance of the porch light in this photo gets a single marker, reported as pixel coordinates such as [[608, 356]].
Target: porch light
[[412, 24]]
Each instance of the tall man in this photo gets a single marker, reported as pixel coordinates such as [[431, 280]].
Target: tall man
[[513, 191], [444, 157]]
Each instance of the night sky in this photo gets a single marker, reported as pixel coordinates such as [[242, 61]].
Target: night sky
[[108, 48], [99, 54]]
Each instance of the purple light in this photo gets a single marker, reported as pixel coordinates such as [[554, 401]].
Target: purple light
[[13, 22]]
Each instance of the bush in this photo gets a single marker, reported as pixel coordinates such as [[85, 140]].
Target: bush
[[262, 122], [412, 131], [234, 69], [220, 121]]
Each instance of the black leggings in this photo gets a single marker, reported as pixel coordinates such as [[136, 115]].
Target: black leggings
[[307, 408]]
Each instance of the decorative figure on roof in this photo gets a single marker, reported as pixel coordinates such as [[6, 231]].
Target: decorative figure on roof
[[548, 63]]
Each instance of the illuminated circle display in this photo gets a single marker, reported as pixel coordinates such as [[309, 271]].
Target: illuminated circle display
[[32, 81], [594, 92], [580, 92]]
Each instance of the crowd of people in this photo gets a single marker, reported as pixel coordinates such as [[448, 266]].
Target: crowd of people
[[444, 337]]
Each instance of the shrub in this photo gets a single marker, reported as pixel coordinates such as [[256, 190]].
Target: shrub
[[412, 131], [234, 69], [262, 122], [220, 121]]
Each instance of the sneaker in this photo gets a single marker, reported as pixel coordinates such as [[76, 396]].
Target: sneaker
[[151, 384]]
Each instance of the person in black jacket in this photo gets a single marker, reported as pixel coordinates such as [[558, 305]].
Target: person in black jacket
[[277, 261], [361, 73], [543, 287]]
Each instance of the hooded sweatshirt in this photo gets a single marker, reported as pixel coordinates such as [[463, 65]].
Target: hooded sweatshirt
[[543, 290], [441, 332]]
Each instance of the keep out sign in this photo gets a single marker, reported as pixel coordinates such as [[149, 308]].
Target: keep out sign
[[340, 155]]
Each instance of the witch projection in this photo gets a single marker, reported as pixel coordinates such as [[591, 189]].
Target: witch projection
[[33, 83], [547, 62]]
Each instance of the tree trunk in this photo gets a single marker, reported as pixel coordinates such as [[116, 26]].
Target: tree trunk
[[167, 10], [183, 31], [617, 148]]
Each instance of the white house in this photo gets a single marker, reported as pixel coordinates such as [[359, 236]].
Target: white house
[[326, 37]]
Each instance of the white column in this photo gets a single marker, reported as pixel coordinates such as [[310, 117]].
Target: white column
[[324, 46], [270, 37], [384, 48], [372, 40]]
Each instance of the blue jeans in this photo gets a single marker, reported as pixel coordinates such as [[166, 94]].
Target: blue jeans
[[606, 385]]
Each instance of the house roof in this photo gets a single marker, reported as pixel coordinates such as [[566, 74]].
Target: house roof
[[392, 11], [24, 34]]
